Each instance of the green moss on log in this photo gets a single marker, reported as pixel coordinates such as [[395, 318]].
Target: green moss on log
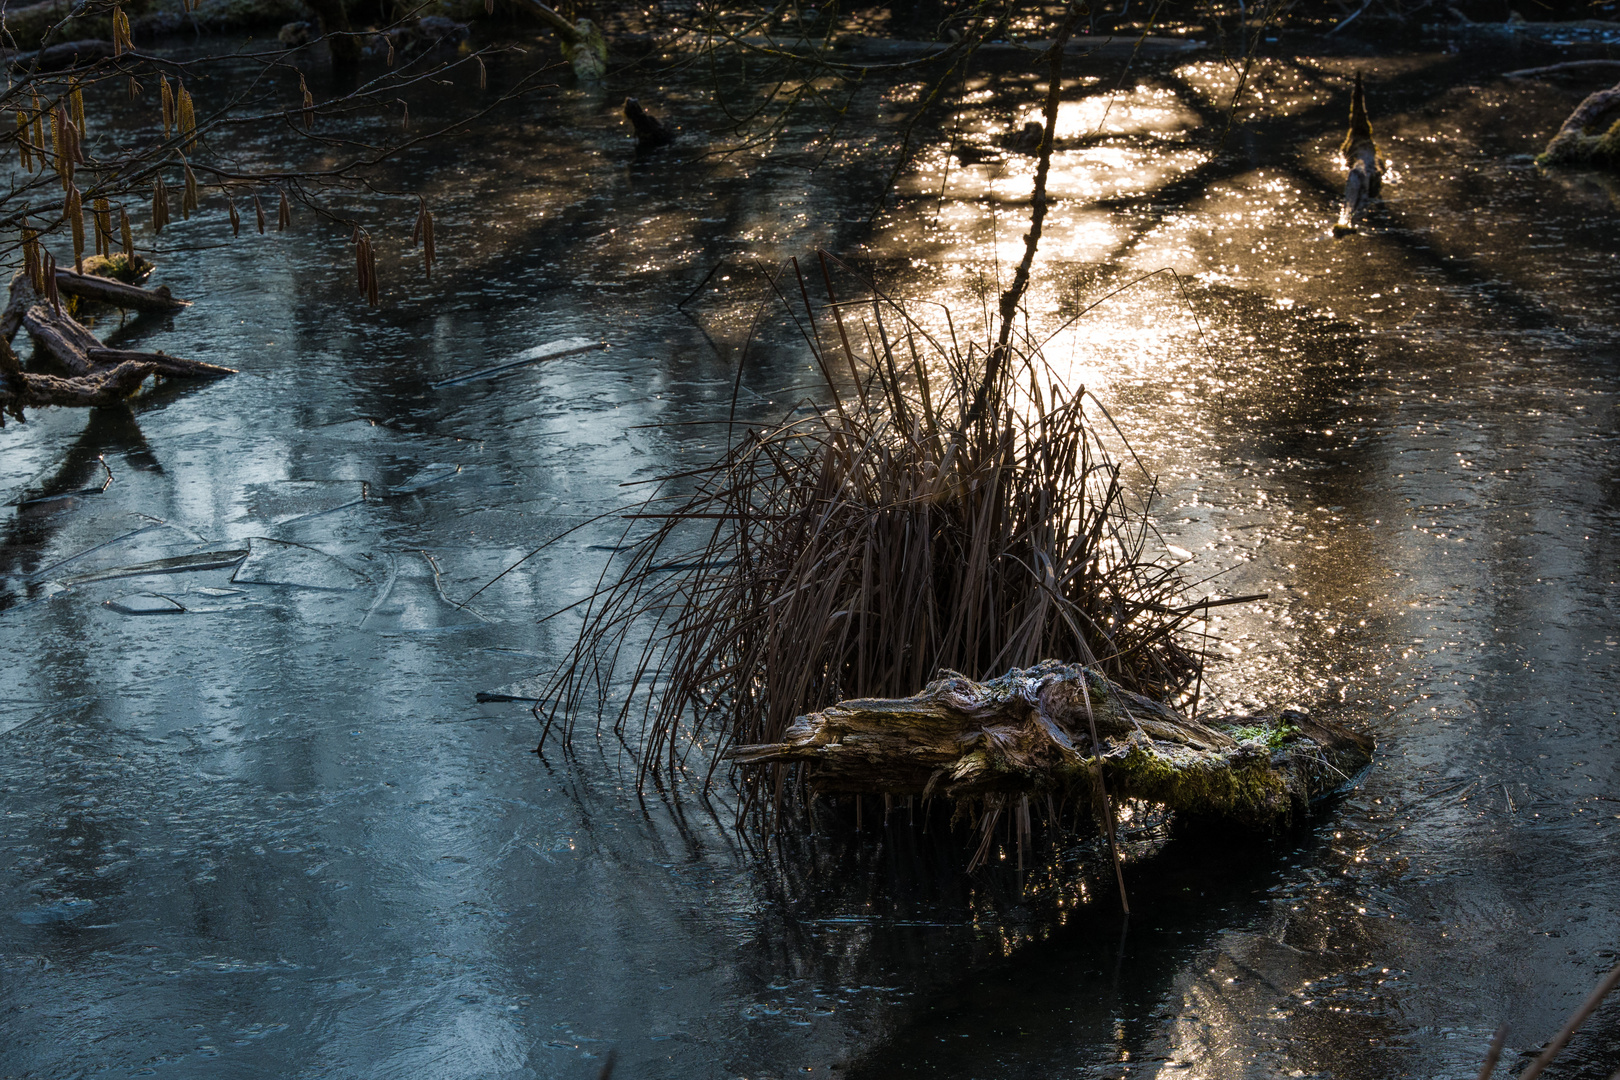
[[1591, 135], [1047, 730]]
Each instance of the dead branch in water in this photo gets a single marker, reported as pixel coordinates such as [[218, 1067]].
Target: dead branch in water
[[98, 375], [105, 290]]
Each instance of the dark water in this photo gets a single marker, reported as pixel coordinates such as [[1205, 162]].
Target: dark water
[[274, 835]]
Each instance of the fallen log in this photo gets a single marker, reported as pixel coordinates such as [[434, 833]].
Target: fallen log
[[100, 376], [1046, 731], [63, 56], [1364, 173], [108, 386], [162, 363], [1591, 134], [583, 45], [65, 340], [106, 290], [1560, 68]]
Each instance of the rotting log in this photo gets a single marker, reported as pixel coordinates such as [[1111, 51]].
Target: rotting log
[[1591, 134], [100, 376], [162, 363], [583, 45], [1364, 173], [1030, 733], [106, 290], [107, 386]]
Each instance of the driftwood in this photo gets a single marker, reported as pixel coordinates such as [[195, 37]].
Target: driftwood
[[1560, 68], [60, 336], [106, 387], [63, 56], [1364, 173], [162, 363], [99, 375], [1044, 731], [105, 290], [1591, 135]]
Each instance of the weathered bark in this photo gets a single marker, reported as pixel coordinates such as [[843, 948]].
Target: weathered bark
[[106, 290], [107, 386], [101, 376], [1364, 172], [174, 367], [1030, 733], [61, 337], [1591, 135]]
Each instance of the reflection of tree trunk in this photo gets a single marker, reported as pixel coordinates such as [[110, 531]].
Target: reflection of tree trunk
[[340, 37], [110, 431]]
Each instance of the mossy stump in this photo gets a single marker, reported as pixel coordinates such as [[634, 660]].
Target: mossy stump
[[1044, 731]]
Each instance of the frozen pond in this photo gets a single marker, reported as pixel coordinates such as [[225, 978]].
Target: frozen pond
[[256, 824]]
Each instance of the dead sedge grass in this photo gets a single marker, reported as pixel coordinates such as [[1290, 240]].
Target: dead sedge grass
[[926, 516]]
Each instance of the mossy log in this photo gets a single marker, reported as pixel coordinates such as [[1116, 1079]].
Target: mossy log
[[1591, 135], [1045, 730], [583, 45]]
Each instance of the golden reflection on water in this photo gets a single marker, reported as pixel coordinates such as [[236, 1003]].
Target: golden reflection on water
[[963, 227], [1144, 110]]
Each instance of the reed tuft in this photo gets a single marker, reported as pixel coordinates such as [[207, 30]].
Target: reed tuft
[[935, 511]]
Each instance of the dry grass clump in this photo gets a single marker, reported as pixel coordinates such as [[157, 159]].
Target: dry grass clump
[[928, 516]]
